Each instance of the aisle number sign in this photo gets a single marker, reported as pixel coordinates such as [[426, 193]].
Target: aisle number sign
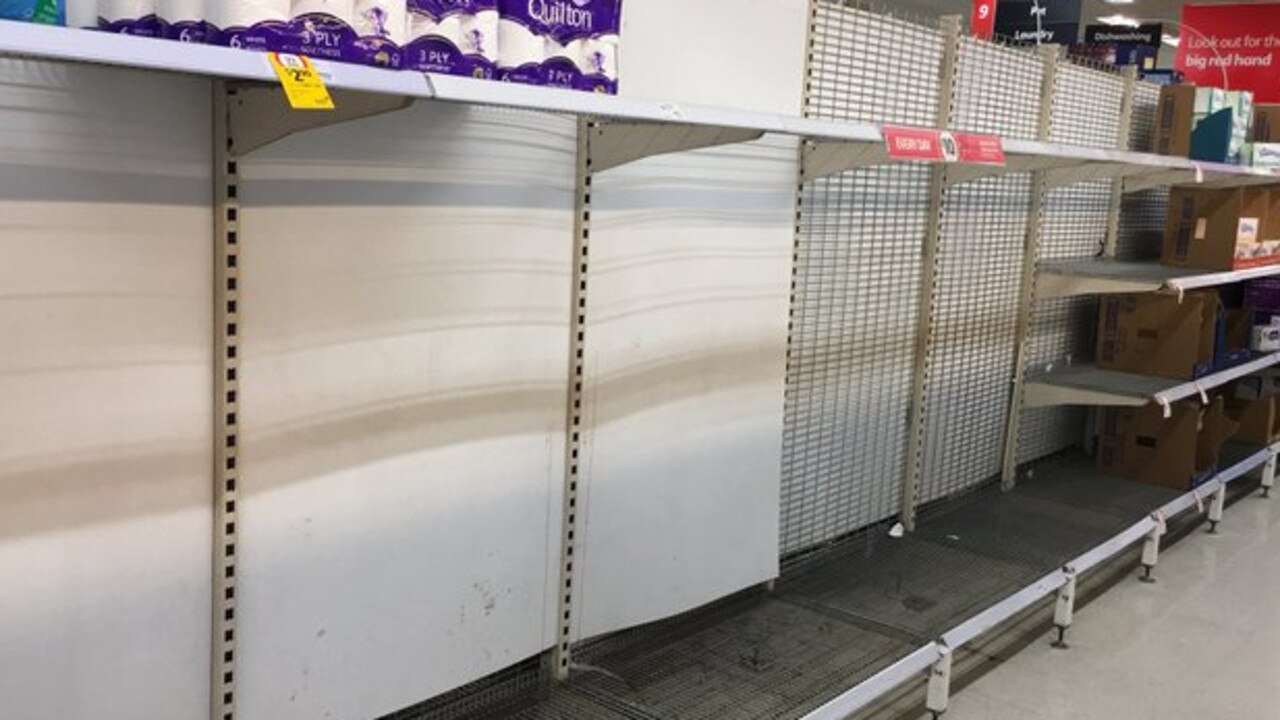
[[983, 21], [302, 83], [925, 145]]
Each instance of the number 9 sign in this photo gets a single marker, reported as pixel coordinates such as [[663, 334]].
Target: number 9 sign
[[983, 22]]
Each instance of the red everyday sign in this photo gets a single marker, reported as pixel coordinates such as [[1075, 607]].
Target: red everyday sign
[[905, 143], [1238, 44], [983, 21]]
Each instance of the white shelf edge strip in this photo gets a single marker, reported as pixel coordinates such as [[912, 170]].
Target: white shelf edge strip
[[883, 682], [1192, 282], [1213, 380], [878, 685], [71, 45]]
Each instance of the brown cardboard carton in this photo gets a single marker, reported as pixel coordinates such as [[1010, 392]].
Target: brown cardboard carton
[[1266, 123], [1239, 327], [1222, 229], [1258, 421], [1178, 452], [1151, 334], [1175, 119]]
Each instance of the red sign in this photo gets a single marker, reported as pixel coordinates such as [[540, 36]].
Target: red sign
[[905, 143], [980, 149], [1232, 46], [983, 22]]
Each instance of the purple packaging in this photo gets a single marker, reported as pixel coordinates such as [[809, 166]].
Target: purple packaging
[[323, 36], [453, 37], [584, 51], [266, 36], [189, 31], [145, 26]]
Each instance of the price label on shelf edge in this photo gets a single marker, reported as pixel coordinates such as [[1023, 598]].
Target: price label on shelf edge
[[302, 83], [923, 145]]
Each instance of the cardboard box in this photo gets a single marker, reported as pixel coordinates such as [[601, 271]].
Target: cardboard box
[[1152, 334], [1222, 229], [1266, 123], [1263, 154], [1258, 421], [1233, 343], [1175, 119], [1180, 452]]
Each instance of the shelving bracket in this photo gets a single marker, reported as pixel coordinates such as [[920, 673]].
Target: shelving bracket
[[259, 115], [616, 143]]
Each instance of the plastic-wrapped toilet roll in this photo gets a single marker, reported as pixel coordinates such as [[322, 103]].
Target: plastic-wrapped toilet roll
[[183, 20], [522, 41], [249, 24], [128, 17], [382, 18], [582, 47], [82, 13], [455, 37], [344, 10]]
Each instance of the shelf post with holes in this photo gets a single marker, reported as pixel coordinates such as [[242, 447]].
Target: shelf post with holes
[[928, 299], [1051, 56]]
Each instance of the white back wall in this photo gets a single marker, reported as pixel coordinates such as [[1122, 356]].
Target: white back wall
[[405, 302], [690, 268], [105, 426]]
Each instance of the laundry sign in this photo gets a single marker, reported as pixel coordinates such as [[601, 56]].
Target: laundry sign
[[1042, 22]]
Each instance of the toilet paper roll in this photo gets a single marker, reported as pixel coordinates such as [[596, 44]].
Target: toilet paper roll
[[226, 14], [128, 17], [82, 13], [481, 34], [449, 28], [182, 20], [386, 19], [344, 10], [521, 51]]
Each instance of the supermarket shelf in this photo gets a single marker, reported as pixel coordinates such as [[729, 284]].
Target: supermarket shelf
[[1070, 278], [1088, 385], [630, 128]]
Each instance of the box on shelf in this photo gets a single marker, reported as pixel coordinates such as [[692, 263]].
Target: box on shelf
[[1262, 297], [1175, 119], [1256, 386], [1234, 336], [1257, 420], [1265, 338], [1151, 334], [1180, 451], [1226, 229], [1262, 154], [1203, 123], [1266, 124]]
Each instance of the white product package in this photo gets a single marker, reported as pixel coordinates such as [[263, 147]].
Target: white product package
[[128, 17], [386, 19], [249, 24], [344, 10], [184, 20], [453, 37]]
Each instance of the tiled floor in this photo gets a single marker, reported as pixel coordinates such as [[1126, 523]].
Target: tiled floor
[[1203, 643]]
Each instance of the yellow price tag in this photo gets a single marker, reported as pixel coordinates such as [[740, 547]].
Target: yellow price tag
[[302, 83]]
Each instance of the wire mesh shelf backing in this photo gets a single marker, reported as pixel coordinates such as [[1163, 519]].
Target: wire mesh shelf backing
[[857, 276], [1142, 214], [980, 257], [1086, 111]]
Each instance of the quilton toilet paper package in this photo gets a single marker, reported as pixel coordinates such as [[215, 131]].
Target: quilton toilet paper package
[[454, 37]]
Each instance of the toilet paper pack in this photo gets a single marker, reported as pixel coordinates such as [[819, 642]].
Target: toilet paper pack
[[250, 24], [454, 37], [183, 20], [563, 43], [582, 43], [129, 17], [368, 32]]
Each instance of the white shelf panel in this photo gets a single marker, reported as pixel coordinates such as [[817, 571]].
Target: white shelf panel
[[1070, 278], [1088, 385]]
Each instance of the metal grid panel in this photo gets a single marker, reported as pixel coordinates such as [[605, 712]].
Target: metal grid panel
[[1142, 215], [1086, 110], [857, 275], [998, 89], [979, 266]]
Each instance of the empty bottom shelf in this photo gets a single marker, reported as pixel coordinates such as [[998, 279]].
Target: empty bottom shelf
[[839, 619]]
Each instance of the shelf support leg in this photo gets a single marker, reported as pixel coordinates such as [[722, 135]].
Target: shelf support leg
[[927, 301], [1064, 610], [938, 697], [1151, 553], [1216, 506], [1050, 55], [1268, 476]]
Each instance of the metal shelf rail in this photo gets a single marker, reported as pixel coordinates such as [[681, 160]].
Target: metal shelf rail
[[1071, 278], [1085, 384]]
